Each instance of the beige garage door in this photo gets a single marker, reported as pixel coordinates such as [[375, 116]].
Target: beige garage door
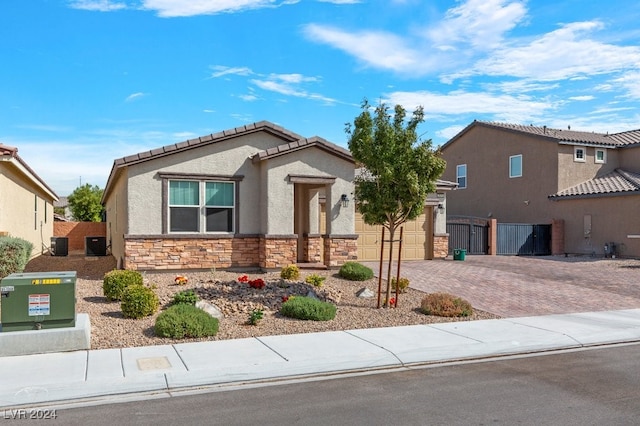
[[417, 241]]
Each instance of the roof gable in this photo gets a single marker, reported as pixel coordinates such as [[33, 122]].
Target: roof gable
[[303, 144], [10, 153], [568, 136]]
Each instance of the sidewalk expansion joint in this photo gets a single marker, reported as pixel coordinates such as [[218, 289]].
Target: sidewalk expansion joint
[[381, 347], [271, 349]]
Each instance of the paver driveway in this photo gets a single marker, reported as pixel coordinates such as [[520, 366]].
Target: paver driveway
[[514, 286]]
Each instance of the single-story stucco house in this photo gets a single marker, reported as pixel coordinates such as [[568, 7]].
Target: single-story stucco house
[[26, 202], [254, 196]]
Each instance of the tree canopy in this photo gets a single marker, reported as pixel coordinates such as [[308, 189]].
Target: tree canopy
[[84, 203], [398, 169]]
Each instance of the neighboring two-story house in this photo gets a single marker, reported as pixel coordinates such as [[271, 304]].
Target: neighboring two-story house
[[586, 182], [26, 202]]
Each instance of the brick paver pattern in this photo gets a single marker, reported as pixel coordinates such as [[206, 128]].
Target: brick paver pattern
[[517, 286]]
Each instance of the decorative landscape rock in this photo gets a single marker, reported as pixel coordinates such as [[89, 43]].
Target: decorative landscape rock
[[209, 308], [365, 293]]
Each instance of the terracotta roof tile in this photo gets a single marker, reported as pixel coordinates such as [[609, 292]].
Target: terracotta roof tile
[[616, 182]]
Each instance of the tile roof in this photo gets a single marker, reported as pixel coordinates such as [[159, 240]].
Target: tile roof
[[617, 182], [206, 140], [301, 144], [613, 140], [12, 153]]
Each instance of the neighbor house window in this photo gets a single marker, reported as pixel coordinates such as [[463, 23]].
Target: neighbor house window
[[35, 213], [201, 205], [461, 176], [515, 166], [579, 154], [601, 156]]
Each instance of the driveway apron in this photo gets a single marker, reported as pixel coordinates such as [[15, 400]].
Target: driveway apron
[[515, 286]]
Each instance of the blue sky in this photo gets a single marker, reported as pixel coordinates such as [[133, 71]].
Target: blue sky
[[83, 82]]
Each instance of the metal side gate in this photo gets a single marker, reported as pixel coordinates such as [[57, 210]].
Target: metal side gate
[[468, 233], [524, 239]]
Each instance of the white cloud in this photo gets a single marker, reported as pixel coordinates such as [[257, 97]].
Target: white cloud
[[97, 5], [561, 54], [503, 107], [480, 23], [375, 48], [182, 8], [449, 132], [221, 70], [582, 98], [290, 85], [631, 82], [134, 96], [341, 1]]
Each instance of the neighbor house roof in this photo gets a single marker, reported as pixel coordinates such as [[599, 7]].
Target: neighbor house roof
[[617, 182], [568, 136], [10, 154], [293, 142]]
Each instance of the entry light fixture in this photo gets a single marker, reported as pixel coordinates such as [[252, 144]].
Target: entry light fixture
[[344, 200]]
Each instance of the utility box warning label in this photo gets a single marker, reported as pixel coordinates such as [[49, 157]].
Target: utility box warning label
[[39, 304]]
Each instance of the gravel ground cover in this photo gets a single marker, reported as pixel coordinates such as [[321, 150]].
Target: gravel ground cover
[[109, 328]]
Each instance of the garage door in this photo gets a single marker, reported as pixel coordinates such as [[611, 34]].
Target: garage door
[[417, 238]]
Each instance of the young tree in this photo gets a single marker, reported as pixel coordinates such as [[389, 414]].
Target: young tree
[[399, 170], [84, 203]]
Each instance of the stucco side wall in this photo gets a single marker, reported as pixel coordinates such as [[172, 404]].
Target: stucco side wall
[[630, 159], [312, 162], [230, 157], [116, 208], [571, 173], [25, 210], [608, 224], [490, 191]]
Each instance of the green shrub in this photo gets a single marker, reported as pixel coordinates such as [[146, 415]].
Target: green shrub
[[14, 255], [404, 284], [308, 308], [179, 321], [139, 301], [116, 281], [290, 272], [255, 316], [445, 305], [186, 297], [315, 280], [355, 271]]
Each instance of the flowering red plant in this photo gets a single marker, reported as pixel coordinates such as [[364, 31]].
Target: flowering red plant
[[257, 283], [285, 298], [243, 279], [392, 301]]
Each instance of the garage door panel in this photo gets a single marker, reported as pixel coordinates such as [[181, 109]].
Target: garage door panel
[[415, 244]]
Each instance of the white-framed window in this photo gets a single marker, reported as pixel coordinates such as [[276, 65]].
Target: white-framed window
[[201, 206], [461, 176], [601, 156], [515, 166], [579, 154]]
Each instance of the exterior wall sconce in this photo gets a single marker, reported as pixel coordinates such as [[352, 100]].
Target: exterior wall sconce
[[344, 200], [441, 206]]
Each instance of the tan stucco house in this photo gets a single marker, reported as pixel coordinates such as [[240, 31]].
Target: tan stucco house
[[586, 184], [245, 197], [26, 202], [254, 196]]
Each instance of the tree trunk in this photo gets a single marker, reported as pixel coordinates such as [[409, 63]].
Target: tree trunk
[[392, 232]]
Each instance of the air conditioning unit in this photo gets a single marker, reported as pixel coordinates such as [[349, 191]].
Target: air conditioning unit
[[95, 246]]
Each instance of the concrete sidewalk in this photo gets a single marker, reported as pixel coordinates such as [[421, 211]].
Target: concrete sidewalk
[[101, 375]]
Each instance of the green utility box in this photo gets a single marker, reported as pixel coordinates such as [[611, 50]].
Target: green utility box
[[38, 300], [459, 254]]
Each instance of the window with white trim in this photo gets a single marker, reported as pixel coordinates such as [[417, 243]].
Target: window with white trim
[[515, 166], [461, 176], [201, 206], [601, 156], [579, 154]]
